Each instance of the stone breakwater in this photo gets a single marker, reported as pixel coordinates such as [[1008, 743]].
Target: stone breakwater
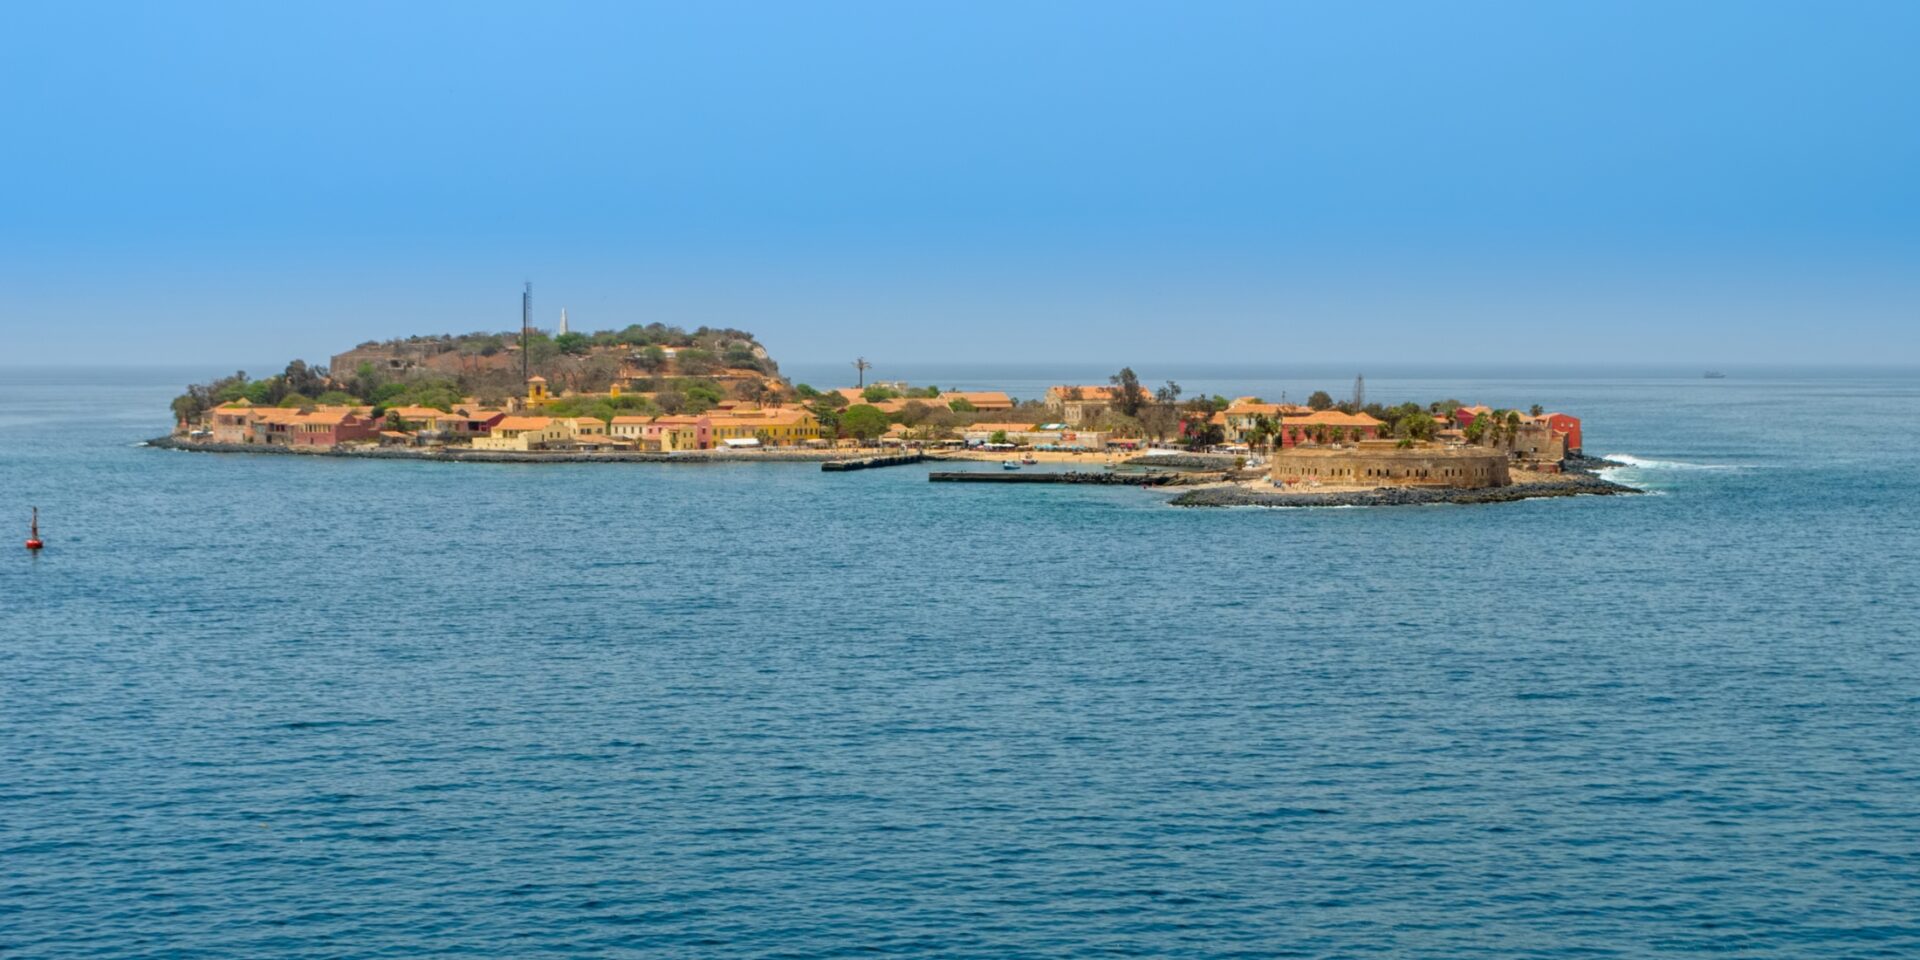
[[438, 455], [1579, 480], [1099, 479], [1184, 461]]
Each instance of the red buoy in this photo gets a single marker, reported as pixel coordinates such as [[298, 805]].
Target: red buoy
[[33, 532]]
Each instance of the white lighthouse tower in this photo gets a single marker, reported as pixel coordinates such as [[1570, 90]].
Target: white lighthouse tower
[[563, 321]]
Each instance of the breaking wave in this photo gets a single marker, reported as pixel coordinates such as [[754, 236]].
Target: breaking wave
[[1642, 463]]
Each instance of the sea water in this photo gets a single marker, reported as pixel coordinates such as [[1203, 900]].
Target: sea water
[[259, 706]]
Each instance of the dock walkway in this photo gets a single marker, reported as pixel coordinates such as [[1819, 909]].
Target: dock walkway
[[869, 463], [1071, 476]]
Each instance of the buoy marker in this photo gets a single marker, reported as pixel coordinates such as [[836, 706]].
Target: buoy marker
[[33, 532]]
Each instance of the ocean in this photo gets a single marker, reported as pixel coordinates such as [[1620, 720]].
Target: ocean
[[260, 706]]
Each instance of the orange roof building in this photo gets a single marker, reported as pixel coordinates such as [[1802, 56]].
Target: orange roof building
[[1329, 423]]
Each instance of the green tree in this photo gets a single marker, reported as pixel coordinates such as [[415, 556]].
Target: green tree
[[304, 380], [1196, 424], [540, 348], [863, 421], [1130, 397], [961, 405], [573, 344], [998, 436], [914, 413], [741, 357], [696, 363], [1320, 400], [266, 392], [652, 359], [827, 414], [189, 407], [1477, 428], [1160, 420], [877, 393], [702, 395]]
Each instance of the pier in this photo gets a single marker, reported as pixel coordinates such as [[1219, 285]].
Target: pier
[[869, 463], [1099, 479]]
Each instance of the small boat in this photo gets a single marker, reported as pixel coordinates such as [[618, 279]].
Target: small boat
[[1714, 375], [1028, 460], [1009, 464], [33, 532]]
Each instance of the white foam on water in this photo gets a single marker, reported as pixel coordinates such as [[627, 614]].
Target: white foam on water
[[1642, 463]]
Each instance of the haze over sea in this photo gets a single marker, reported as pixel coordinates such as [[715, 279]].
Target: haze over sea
[[263, 706]]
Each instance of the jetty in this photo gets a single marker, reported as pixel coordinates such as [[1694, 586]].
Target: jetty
[[869, 463], [1069, 476]]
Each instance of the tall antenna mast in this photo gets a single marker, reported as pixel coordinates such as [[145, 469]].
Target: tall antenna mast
[[526, 326], [861, 364]]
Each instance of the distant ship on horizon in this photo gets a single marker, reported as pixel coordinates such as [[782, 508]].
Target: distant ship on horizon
[[1714, 375]]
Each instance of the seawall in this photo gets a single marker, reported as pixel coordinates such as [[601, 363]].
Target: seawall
[[444, 455]]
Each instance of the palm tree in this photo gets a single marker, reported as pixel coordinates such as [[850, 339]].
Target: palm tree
[[1258, 433]]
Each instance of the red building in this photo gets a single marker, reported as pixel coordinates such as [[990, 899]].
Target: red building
[[329, 426], [1562, 423], [1559, 422], [1465, 415]]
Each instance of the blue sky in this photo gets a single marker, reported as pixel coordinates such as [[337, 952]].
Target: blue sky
[[1702, 183]]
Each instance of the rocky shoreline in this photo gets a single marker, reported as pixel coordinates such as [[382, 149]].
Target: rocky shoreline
[[443, 455], [1581, 479]]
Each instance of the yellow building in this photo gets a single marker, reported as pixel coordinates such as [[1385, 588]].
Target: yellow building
[[663, 434], [784, 427], [525, 433], [537, 394]]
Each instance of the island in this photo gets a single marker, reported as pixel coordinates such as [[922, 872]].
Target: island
[[659, 393]]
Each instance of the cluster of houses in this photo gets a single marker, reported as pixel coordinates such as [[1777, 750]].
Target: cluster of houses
[[1537, 441], [1544, 436], [1330, 446], [524, 428]]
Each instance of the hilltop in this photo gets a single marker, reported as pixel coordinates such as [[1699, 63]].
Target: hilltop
[[438, 369]]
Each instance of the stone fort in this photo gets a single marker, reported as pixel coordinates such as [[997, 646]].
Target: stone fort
[[1385, 463]]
